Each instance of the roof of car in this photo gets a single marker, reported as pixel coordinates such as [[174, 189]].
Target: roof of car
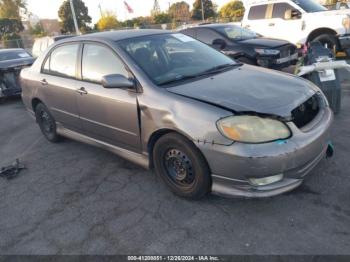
[[121, 34], [216, 25], [11, 50]]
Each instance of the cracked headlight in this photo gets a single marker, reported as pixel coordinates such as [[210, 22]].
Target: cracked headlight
[[253, 129], [262, 51]]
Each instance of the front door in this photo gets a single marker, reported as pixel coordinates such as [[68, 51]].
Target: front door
[[256, 20], [108, 115], [285, 23]]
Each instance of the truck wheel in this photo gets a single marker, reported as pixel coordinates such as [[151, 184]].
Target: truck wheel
[[181, 166], [328, 41], [46, 123]]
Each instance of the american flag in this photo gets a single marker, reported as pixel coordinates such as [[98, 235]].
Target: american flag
[[128, 8]]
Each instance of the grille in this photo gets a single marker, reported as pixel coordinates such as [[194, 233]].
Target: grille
[[306, 112], [287, 50]]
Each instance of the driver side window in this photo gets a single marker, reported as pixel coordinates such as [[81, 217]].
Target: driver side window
[[99, 61], [280, 9]]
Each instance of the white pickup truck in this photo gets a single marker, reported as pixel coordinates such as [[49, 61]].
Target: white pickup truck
[[300, 22]]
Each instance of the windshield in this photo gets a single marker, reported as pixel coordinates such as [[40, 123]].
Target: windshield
[[13, 54], [168, 58], [310, 6], [236, 32]]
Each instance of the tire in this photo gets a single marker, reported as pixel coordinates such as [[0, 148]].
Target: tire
[[328, 41], [46, 123], [181, 166], [246, 60]]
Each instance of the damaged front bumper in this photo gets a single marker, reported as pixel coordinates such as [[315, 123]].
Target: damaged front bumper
[[233, 167]]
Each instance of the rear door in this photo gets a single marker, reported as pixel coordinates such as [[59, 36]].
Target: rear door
[[256, 19], [59, 84], [108, 115], [207, 35]]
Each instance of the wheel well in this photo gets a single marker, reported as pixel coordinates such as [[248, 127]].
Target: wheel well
[[35, 102], [320, 31], [152, 141]]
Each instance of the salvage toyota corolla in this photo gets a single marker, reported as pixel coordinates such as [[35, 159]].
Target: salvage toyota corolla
[[166, 101]]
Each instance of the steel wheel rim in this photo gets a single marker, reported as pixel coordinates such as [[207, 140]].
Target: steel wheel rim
[[179, 168], [46, 122]]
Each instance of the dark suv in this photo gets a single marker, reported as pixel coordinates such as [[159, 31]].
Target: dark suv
[[245, 45]]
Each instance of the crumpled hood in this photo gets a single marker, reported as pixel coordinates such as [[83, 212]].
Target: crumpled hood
[[264, 42], [250, 89]]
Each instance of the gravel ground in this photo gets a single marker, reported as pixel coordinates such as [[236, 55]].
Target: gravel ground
[[77, 199]]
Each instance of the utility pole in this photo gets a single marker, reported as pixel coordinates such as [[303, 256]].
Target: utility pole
[[202, 11], [99, 7], [74, 18]]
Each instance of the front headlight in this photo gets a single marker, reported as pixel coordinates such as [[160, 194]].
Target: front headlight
[[346, 23], [262, 51], [253, 129]]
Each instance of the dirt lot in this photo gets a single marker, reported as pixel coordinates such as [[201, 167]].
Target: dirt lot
[[77, 199]]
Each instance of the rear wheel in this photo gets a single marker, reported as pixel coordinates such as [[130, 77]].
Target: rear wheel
[[46, 123], [181, 166]]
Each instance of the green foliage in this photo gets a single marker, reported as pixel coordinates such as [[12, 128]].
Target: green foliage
[[82, 14], [37, 30], [10, 28], [162, 18], [233, 11], [108, 21], [180, 11], [141, 21], [209, 9], [11, 8]]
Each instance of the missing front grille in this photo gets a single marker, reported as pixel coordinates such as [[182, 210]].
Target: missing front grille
[[306, 112]]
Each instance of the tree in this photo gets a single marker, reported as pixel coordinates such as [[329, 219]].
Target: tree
[[82, 14], [209, 9], [9, 30], [11, 8], [162, 18], [37, 30], [180, 11], [108, 21], [233, 10]]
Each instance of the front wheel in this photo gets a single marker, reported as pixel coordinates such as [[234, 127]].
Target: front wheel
[[46, 122], [181, 166], [328, 41]]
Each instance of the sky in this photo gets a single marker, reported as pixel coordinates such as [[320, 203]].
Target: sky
[[49, 8]]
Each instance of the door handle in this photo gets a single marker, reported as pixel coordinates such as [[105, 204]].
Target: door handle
[[271, 24], [44, 82], [82, 91]]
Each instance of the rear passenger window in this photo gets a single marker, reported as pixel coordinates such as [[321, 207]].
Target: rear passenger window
[[207, 36], [62, 61], [99, 61], [280, 9], [189, 32], [257, 12]]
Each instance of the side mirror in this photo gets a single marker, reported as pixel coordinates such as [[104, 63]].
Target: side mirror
[[292, 14], [116, 81], [219, 44]]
